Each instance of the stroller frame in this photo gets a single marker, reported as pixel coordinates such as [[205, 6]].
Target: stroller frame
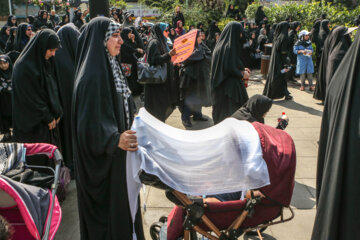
[[195, 215]]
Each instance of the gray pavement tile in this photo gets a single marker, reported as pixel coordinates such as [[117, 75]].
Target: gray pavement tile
[[306, 167], [302, 198], [306, 148], [299, 228], [310, 184], [157, 199]]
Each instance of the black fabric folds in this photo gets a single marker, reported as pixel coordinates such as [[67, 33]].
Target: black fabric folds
[[228, 89], [98, 119], [335, 48], [5, 97], [65, 69], [276, 85], [338, 179], [254, 109], [129, 55], [36, 100], [21, 38], [160, 99], [195, 77]]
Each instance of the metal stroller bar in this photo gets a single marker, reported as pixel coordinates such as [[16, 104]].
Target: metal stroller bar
[[232, 232], [58, 160]]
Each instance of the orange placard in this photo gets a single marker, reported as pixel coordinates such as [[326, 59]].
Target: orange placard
[[184, 46]]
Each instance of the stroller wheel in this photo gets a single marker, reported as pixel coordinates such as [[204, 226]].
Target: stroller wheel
[[155, 230], [163, 219]]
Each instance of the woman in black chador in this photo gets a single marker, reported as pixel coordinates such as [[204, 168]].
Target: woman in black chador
[[338, 179], [293, 38], [276, 85], [260, 15], [102, 113], [227, 73], [10, 42], [129, 54], [65, 69], [22, 37], [335, 48], [323, 33], [195, 83], [5, 96], [36, 104], [255, 109], [160, 98]]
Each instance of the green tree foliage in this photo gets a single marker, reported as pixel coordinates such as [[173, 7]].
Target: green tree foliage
[[4, 7], [307, 13]]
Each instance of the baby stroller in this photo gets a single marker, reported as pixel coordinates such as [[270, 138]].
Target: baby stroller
[[229, 220], [33, 212]]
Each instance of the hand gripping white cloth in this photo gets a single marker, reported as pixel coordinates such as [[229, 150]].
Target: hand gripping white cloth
[[224, 158]]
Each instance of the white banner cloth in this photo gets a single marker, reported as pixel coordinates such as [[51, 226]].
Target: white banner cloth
[[224, 158]]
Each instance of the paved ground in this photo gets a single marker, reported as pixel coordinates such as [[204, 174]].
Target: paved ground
[[304, 127]]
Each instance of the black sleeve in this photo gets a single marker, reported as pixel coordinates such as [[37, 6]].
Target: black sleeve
[[154, 55]]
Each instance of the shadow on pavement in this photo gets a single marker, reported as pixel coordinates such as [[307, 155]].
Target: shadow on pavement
[[299, 107], [303, 196]]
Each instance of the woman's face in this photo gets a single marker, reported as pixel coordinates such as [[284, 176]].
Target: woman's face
[[253, 35], [180, 24], [28, 31], [306, 37], [114, 44], [45, 15], [14, 33], [199, 39], [172, 31], [66, 18], [4, 65], [7, 31], [13, 20], [50, 53], [298, 28], [166, 33], [131, 36]]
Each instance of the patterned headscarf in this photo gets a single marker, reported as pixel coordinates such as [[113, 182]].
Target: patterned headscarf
[[120, 80]]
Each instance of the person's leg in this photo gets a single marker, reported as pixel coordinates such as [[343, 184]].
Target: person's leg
[[185, 114], [196, 111], [310, 79], [302, 79]]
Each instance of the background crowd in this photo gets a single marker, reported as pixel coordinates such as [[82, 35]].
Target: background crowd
[[48, 92]]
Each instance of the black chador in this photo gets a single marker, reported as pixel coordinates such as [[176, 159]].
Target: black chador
[[99, 117], [335, 48], [36, 101], [227, 85], [320, 40], [338, 178], [276, 85], [5, 97], [65, 69], [160, 98]]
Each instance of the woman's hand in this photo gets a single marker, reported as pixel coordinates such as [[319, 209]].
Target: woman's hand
[[128, 141], [246, 75], [139, 50], [52, 124], [172, 52]]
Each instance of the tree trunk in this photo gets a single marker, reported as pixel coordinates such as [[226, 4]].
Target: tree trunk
[[99, 8]]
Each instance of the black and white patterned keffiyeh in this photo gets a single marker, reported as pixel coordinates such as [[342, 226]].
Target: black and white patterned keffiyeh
[[120, 80]]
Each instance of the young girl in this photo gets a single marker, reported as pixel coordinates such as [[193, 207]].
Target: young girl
[[5, 96], [305, 66]]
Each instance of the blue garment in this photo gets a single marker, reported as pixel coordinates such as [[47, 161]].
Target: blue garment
[[304, 63]]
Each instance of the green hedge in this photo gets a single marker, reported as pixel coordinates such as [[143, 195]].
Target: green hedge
[[306, 13]]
